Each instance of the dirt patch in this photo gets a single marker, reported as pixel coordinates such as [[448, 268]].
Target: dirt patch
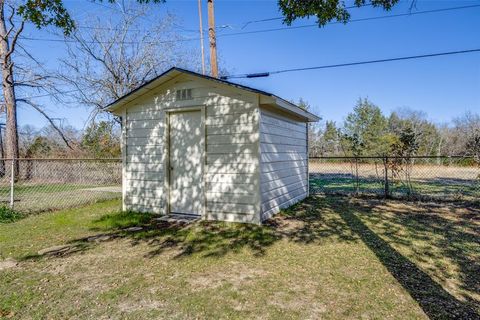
[[142, 305], [236, 275], [7, 264]]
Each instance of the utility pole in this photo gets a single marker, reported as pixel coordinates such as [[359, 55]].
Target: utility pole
[[201, 35], [213, 40]]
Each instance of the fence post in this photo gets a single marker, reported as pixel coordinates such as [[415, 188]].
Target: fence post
[[386, 185], [357, 182], [12, 183]]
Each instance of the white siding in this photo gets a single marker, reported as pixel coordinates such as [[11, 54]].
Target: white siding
[[232, 145], [232, 173], [143, 172], [283, 162]]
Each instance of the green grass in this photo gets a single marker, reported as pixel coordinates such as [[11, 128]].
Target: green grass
[[433, 189], [329, 258], [33, 233], [22, 189], [7, 215]]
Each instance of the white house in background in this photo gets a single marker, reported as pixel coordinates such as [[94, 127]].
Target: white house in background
[[193, 144]]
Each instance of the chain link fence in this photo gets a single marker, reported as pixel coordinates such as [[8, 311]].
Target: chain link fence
[[35, 185], [49, 184], [418, 178]]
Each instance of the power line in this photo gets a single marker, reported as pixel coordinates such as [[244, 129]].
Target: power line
[[266, 74], [268, 30], [348, 64]]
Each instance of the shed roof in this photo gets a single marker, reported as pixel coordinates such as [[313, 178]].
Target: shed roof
[[175, 71]]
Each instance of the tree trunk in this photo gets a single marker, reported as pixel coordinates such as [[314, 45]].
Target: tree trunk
[[11, 133]]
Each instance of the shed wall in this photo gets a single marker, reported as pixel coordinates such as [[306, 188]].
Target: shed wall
[[283, 162], [232, 143]]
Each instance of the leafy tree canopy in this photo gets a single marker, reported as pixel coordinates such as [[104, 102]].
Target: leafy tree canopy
[[43, 13], [365, 129], [101, 140], [325, 10]]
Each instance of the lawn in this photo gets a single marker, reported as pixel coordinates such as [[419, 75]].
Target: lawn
[[468, 190], [329, 257]]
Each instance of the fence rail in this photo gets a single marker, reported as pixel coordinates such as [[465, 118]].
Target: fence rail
[[420, 177], [33, 185]]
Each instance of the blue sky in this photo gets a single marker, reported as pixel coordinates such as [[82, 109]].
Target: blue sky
[[443, 87]]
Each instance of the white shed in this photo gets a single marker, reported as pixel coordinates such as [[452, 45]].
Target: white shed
[[197, 145]]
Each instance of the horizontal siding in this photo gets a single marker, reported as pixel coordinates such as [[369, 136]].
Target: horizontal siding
[[273, 210], [231, 158], [221, 197], [239, 188], [144, 159], [281, 148], [145, 175], [274, 166], [245, 168], [278, 201], [283, 174], [230, 207], [147, 193], [230, 129], [142, 166], [229, 109], [237, 148], [232, 153], [232, 138], [280, 190], [285, 156], [279, 131], [232, 217], [280, 183], [230, 178], [283, 162], [133, 141], [231, 170], [144, 124], [278, 139]]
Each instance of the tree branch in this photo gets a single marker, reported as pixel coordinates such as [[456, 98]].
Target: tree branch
[[14, 41], [43, 113]]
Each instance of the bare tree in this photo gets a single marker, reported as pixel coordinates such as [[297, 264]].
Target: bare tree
[[113, 57], [41, 14]]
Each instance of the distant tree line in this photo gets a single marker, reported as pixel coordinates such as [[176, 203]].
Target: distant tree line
[[366, 131], [99, 140]]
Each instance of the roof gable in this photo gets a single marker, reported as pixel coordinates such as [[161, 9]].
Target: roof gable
[[174, 72]]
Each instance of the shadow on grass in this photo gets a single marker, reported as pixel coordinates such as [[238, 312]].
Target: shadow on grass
[[316, 220], [209, 239], [435, 301]]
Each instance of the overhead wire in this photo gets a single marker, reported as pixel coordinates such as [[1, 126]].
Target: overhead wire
[[348, 64], [271, 29]]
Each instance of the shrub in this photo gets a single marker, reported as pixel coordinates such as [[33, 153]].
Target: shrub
[[8, 215]]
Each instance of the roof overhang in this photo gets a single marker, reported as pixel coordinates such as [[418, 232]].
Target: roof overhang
[[172, 73]]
